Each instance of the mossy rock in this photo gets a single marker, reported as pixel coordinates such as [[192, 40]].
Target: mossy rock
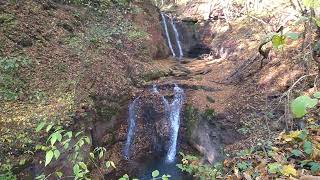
[[107, 112], [154, 75], [192, 117], [210, 99]]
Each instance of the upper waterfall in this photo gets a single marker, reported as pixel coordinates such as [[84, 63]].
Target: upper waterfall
[[176, 35], [167, 34]]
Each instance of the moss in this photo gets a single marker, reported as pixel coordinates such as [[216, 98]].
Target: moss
[[210, 99], [191, 118], [137, 34], [209, 114], [107, 112], [6, 18], [154, 75]]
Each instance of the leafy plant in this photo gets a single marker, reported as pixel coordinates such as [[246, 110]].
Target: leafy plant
[[192, 165], [61, 139]]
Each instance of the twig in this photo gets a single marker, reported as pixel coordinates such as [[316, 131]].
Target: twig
[[260, 20], [294, 84]]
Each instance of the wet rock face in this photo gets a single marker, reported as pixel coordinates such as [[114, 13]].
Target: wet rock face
[[192, 39], [210, 134], [152, 128]]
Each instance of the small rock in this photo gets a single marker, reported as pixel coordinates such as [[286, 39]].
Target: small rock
[[25, 41]]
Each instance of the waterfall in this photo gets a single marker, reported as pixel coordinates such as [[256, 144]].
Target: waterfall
[[174, 118], [172, 113], [132, 124], [176, 33], [167, 34]]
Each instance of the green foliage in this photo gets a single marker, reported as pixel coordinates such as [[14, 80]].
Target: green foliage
[[6, 172], [311, 3], [300, 105], [11, 81], [192, 117], [307, 146], [69, 141], [278, 41], [209, 114], [192, 165]]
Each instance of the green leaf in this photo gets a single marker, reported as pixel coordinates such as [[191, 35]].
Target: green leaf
[[83, 165], [40, 126], [303, 135], [300, 104], [155, 173], [22, 161], [42, 176], [278, 41], [124, 177], [292, 35], [76, 169], [315, 167], [307, 146], [108, 164], [92, 155], [87, 139], [66, 145], [78, 133], [296, 152], [317, 95], [56, 154], [69, 134], [49, 127], [100, 154], [49, 156], [243, 166], [165, 177], [274, 168], [59, 174]]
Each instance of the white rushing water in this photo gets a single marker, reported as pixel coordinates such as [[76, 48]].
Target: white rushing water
[[176, 33], [132, 125], [174, 118], [172, 113], [164, 20]]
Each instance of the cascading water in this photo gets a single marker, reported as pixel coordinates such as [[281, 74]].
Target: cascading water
[[164, 20], [176, 33], [132, 125], [172, 113], [174, 118]]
